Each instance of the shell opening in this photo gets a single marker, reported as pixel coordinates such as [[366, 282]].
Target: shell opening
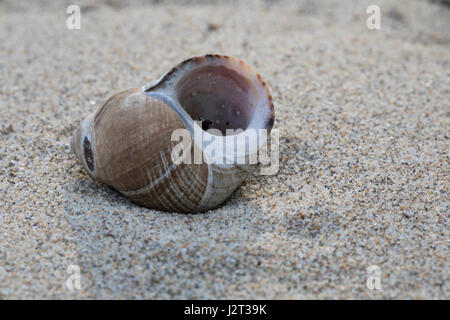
[[222, 92], [218, 96]]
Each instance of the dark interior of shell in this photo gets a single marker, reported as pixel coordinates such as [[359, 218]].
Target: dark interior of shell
[[218, 96]]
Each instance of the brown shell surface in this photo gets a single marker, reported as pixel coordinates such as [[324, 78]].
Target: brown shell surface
[[133, 153]]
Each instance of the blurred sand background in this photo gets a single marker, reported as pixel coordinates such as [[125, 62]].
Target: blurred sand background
[[364, 169]]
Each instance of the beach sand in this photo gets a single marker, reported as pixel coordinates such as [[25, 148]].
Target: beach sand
[[363, 117]]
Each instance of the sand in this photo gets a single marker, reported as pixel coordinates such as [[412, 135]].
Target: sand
[[364, 153]]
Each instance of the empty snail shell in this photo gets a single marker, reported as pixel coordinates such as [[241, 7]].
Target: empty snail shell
[[127, 142]]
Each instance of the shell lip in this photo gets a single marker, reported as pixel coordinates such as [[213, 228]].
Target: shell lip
[[161, 82], [163, 89]]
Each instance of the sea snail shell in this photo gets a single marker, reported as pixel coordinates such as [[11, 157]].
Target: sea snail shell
[[127, 144]]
